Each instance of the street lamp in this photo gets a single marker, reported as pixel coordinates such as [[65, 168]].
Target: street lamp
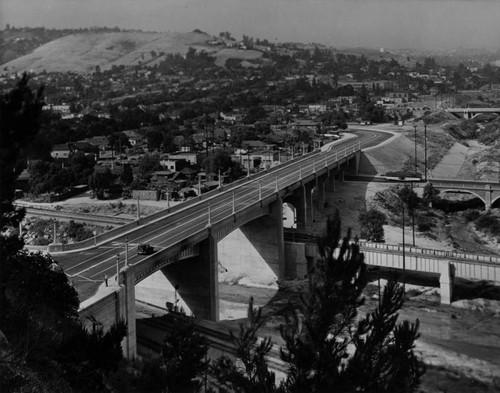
[[126, 251], [118, 269], [138, 209]]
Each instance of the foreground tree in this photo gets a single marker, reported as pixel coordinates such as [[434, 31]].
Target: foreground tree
[[252, 375], [325, 348], [182, 361], [39, 326]]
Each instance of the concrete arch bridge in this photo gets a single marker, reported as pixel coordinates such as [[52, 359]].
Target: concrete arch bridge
[[488, 192]]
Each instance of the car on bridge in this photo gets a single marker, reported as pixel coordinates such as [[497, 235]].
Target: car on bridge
[[145, 249]]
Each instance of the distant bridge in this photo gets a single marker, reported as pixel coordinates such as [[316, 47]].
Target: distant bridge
[[487, 191], [446, 264], [470, 113]]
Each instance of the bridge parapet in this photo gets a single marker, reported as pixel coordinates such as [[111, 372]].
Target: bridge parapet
[[159, 261]]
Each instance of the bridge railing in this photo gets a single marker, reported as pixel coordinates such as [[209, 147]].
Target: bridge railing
[[455, 255], [463, 184]]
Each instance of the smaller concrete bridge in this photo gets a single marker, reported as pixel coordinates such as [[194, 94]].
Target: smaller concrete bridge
[[446, 264], [470, 113], [488, 192]]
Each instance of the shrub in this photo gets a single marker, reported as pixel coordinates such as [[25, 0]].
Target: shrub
[[78, 231], [471, 215], [424, 224], [489, 223]]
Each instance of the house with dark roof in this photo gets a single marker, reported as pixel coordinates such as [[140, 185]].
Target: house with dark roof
[[135, 138], [61, 151]]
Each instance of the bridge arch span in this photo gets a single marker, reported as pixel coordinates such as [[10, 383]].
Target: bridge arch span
[[289, 215], [454, 191], [496, 202]]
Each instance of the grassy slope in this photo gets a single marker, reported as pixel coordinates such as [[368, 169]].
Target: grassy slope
[[81, 53]]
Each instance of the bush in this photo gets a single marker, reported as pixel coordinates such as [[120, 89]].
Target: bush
[[471, 215], [78, 231], [424, 224], [489, 223]]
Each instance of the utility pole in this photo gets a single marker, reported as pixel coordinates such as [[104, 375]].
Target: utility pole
[[416, 170], [413, 219], [55, 230], [425, 151], [404, 259]]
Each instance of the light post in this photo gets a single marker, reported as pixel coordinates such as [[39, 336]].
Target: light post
[[209, 224], [95, 237], [138, 209], [118, 269], [126, 251], [220, 184]]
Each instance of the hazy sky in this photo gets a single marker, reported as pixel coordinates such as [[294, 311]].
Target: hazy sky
[[367, 23]]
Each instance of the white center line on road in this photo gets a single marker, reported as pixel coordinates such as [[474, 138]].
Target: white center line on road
[[83, 278]]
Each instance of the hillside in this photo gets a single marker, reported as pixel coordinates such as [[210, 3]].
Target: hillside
[[82, 53]]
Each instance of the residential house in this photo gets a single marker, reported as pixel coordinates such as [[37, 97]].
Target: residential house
[[259, 159], [135, 138], [193, 158], [61, 151], [310, 126], [174, 164], [252, 145]]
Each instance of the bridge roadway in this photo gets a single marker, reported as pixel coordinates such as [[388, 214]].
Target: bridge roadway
[[87, 267]]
